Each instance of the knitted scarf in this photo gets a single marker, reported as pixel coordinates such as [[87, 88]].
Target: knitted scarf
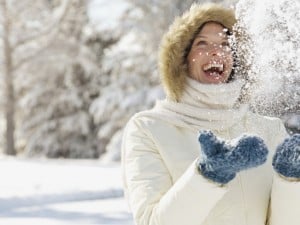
[[203, 106]]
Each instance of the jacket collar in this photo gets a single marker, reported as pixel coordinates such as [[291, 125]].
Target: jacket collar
[[211, 96], [204, 106]]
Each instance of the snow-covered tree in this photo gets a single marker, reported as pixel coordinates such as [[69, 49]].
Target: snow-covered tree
[[56, 89], [24, 35], [51, 76]]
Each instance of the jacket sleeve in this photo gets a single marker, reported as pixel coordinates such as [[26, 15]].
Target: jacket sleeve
[[285, 202], [285, 197], [153, 197]]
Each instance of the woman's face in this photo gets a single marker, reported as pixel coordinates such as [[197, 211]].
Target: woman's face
[[210, 59]]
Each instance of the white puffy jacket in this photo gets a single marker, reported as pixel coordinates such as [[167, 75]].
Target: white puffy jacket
[[163, 186]]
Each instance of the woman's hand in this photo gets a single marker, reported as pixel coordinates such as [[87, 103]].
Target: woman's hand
[[286, 160], [220, 161]]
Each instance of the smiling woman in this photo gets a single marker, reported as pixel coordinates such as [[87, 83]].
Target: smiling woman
[[200, 157]]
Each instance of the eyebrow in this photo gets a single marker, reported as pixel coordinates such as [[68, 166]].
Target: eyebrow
[[203, 36]]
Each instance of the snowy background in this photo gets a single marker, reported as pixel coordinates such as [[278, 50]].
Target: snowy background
[[79, 69], [75, 71]]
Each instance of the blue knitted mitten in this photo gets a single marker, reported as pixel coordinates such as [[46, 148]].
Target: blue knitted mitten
[[221, 161], [286, 160]]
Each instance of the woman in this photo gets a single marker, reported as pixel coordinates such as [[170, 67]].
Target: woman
[[173, 176]]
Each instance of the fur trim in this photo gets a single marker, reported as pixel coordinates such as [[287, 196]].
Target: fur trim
[[172, 65]]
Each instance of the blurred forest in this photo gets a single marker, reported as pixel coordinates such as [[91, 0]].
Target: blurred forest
[[74, 71]]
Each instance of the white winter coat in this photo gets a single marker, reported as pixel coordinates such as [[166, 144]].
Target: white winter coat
[[161, 181]]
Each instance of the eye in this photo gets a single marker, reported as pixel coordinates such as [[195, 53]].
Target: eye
[[225, 44], [201, 43]]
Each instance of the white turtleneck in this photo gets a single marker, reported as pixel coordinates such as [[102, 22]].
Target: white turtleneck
[[203, 106]]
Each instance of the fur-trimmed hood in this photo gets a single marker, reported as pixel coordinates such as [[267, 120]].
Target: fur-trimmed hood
[[172, 66]]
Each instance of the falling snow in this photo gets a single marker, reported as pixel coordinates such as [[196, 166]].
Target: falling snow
[[272, 46]]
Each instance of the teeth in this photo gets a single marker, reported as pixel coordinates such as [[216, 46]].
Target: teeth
[[220, 67]]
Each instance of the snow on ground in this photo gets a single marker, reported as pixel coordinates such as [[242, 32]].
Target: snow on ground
[[61, 192]]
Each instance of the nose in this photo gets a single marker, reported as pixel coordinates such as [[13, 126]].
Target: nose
[[215, 50]]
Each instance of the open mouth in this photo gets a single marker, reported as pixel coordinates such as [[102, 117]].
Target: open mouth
[[214, 69]]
